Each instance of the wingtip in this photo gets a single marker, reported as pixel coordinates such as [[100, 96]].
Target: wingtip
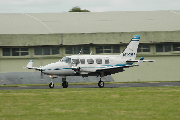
[[142, 58]]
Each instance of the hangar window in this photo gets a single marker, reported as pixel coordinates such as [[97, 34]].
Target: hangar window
[[15, 51], [159, 48], [6, 52], [163, 47], [46, 50], [77, 49], [176, 47], [143, 48], [108, 49], [167, 47]]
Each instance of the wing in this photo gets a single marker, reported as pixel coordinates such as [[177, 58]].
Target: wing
[[116, 69], [113, 69]]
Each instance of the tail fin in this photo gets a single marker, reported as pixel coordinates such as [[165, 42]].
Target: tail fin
[[30, 64], [131, 50]]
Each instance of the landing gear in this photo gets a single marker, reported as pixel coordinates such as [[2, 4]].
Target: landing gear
[[51, 84], [64, 83], [101, 83]]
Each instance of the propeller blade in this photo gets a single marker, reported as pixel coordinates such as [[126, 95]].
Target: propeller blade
[[41, 62], [42, 76]]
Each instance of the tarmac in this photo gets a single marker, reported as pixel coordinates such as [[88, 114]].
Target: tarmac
[[117, 85]]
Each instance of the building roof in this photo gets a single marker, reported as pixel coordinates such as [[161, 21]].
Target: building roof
[[89, 22]]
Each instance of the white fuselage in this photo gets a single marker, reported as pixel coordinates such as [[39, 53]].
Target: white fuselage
[[86, 63]]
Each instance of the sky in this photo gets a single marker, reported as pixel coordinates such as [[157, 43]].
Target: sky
[[59, 6]]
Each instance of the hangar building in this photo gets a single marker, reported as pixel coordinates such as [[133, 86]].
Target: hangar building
[[51, 36]]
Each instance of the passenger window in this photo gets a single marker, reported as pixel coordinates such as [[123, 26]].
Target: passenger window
[[107, 61], [90, 61], [82, 61], [75, 61], [99, 61]]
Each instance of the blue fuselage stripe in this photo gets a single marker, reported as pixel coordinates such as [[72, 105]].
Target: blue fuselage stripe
[[104, 66], [134, 40]]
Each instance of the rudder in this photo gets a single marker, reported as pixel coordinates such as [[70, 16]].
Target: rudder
[[131, 50]]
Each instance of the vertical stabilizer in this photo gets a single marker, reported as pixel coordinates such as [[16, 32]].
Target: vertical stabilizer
[[131, 50], [30, 64]]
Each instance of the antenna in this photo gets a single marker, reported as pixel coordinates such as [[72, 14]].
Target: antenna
[[91, 53], [80, 51]]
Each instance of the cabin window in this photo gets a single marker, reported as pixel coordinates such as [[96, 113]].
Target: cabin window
[[66, 59], [90, 61], [82, 61], [107, 61], [75, 61], [99, 61]]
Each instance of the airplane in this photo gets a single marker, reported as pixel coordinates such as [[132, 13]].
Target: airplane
[[92, 65]]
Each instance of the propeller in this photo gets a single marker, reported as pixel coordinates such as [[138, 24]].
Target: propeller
[[41, 62]]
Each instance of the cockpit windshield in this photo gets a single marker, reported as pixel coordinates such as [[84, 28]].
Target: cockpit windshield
[[65, 59]]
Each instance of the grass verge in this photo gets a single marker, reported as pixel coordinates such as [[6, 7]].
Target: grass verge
[[94, 103]]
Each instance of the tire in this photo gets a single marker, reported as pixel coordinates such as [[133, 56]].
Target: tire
[[51, 85], [101, 84], [65, 84]]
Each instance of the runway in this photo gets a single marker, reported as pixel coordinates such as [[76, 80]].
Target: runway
[[154, 84]]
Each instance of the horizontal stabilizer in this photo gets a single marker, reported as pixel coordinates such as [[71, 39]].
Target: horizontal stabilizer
[[140, 61], [148, 60], [30, 65], [132, 61]]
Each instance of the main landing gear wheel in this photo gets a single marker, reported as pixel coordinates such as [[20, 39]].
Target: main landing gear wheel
[[65, 84], [51, 85], [101, 84]]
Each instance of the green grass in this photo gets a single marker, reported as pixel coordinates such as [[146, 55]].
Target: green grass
[[132, 103]]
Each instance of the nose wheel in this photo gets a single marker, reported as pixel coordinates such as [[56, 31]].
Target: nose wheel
[[51, 85]]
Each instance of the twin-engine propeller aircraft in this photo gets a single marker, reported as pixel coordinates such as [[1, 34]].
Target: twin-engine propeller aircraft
[[92, 65]]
